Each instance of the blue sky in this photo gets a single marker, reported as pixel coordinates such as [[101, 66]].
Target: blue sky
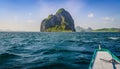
[[26, 15]]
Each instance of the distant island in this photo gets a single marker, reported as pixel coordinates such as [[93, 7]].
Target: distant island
[[89, 29], [81, 29], [107, 30], [62, 21]]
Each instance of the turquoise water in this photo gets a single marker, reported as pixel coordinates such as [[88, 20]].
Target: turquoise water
[[35, 50]]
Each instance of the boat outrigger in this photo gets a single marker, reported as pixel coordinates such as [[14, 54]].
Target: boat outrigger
[[104, 59]]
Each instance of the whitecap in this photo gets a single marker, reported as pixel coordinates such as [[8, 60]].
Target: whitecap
[[113, 38]]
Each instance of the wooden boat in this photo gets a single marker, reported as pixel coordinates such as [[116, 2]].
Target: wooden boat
[[104, 59]]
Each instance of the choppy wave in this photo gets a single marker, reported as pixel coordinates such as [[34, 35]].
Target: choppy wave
[[24, 50]]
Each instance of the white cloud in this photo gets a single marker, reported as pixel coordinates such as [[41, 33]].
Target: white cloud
[[113, 19], [30, 21], [29, 14], [108, 19], [90, 15]]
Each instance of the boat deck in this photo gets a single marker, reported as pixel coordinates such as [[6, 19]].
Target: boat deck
[[103, 61]]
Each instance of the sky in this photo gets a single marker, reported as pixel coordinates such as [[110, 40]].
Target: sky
[[26, 15]]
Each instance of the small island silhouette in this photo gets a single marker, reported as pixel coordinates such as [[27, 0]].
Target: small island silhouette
[[62, 21]]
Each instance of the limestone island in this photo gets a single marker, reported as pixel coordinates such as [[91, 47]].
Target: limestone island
[[62, 21]]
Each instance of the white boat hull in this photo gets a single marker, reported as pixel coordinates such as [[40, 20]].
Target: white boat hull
[[103, 59]]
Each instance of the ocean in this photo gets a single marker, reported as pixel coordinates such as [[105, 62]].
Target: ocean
[[36, 50]]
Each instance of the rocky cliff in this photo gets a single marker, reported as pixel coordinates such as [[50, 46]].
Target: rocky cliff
[[62, 21]]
